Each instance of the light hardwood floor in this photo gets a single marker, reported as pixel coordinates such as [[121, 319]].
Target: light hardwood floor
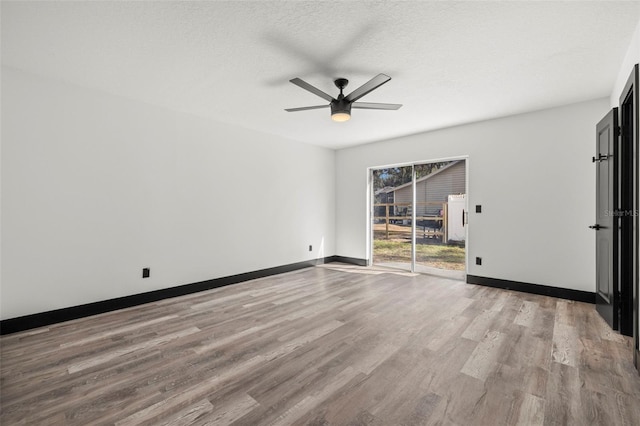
[[330, 345]]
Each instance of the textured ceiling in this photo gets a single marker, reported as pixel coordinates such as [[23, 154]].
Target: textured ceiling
[[450, 62]]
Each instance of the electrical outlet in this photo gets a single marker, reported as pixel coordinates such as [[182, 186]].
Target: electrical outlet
[[310, 247], [478, 261], [478, 208], [146, 272]]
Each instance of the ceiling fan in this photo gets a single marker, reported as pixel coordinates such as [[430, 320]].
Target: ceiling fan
[[341, 106]]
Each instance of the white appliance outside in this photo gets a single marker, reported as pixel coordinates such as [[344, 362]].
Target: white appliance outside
[[455, 217]]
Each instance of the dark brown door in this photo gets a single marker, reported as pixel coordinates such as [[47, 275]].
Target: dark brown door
[[606, 295]]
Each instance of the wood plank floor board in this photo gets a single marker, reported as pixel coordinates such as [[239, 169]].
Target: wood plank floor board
[[329, 345], [600, 371], [531, 412], [479, 326], [566, 345], [498, 407], [525, 349], [458, 400], [56, 377], [526, 313], [449, 361], [528, 380], [543, 323], [363, 395], [484, 357], [445, 328], [564, 406], [405, 402], [566, 312]]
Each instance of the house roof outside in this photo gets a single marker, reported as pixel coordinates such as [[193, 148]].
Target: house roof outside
[[429, 176], [384, 190]]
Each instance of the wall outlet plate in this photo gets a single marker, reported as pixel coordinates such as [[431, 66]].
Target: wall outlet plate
[[478, 208], [478, 261], [146, 272]]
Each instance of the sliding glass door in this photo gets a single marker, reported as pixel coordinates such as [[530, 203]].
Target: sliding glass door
[[392, 217], [419, 217]]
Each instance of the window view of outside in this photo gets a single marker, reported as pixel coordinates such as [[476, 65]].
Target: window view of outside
[[439, 209]]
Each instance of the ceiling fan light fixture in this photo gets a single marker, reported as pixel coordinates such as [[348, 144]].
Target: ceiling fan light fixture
[[340, 116], [340, 111]]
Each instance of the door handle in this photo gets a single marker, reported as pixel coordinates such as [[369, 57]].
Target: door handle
[[597, 227], [600, 158]]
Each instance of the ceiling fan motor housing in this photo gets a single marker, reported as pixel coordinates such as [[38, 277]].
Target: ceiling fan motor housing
[[340, 106]]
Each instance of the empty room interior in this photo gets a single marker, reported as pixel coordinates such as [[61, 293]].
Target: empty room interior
[[324, 213]]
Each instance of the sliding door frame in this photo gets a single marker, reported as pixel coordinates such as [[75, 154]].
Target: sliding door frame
[[371, 198]]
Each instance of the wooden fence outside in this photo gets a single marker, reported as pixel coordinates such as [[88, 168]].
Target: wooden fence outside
[[391, 215]]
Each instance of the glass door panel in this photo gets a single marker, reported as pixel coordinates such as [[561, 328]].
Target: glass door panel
[[441, 218], [392, 217]]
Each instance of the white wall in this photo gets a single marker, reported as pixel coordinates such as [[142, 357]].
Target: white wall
[[96, 187], [631, 58], [533, 176]]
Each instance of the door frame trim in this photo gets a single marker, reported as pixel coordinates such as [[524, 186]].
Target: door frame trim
[[633, 84], [370, 198]]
